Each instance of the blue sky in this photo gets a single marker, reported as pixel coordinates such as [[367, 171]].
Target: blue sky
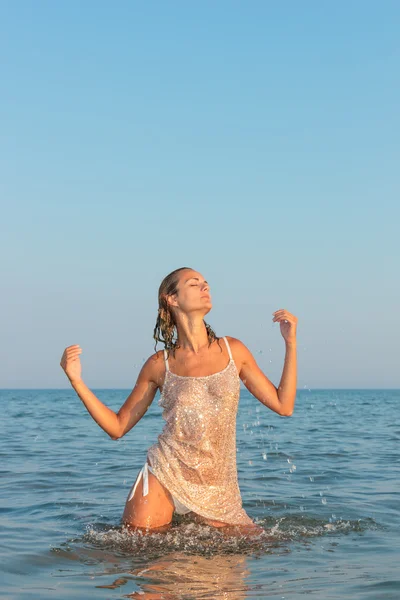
[[254, 141]]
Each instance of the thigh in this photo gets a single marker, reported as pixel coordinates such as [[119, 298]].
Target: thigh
[[150, 511]]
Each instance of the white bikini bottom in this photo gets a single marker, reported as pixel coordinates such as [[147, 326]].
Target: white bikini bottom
[[180, 508]]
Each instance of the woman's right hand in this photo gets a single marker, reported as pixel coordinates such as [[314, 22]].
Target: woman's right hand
[[71, 363]]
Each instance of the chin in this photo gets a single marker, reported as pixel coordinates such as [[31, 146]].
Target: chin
[[207, 308]]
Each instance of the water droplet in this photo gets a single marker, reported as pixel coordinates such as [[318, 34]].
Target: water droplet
[[311, 478], [324, 500], [264, 456]]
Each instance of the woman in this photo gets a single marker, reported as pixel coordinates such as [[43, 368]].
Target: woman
[[192, 467]]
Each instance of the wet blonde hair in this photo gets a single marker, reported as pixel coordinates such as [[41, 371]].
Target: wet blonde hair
[[165, 330]]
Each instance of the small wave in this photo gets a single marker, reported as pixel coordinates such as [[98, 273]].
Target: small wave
[[297, 527]]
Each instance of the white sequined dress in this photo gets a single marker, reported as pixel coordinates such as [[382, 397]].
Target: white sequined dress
[[195, 455]]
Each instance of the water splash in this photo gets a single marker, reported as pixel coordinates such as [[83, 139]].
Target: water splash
[[191, 538]]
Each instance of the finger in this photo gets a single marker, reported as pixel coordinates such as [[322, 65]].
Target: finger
[[285, 314], [289, 317], [282, 311], [284, 318], [73, 355], [72, 347]]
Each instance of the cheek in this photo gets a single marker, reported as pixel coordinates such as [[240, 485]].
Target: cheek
[[189, 296], [184, 298]]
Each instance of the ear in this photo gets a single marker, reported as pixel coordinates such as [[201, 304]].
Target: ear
[[172, 300]]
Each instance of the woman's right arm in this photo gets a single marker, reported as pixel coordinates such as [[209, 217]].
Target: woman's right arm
[[114, 424]]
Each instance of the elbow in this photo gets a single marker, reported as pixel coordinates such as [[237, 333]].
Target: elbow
[[286, 413], [116, 435]]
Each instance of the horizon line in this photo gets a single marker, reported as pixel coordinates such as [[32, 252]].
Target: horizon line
[[306, 389]]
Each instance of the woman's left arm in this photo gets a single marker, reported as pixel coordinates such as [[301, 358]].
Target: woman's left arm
[[280, 399]]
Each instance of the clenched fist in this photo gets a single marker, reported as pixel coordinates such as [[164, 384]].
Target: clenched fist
[[71, 363]]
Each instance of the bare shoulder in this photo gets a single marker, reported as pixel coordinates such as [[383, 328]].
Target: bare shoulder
[[154, 368], [240, 352]]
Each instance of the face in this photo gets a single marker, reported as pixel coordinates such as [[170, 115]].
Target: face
[[193, 293]]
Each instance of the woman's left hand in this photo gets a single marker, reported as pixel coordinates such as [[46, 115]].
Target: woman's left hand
[[288, 324]]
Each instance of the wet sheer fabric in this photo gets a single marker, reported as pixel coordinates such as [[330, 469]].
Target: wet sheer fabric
[[195, 455]]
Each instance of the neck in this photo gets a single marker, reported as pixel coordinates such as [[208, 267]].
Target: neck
[[192, 333]]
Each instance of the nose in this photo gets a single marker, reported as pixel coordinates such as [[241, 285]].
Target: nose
[[206, 287]]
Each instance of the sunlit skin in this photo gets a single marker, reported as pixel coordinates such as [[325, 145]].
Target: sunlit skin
[[193, 358]]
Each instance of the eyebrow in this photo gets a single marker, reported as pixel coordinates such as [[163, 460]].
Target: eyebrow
[[196, 279]]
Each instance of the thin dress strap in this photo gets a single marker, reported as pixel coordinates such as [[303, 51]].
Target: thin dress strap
[[228, 347], [166, 360]]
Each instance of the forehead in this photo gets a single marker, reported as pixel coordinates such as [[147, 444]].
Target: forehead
[[190, 274]]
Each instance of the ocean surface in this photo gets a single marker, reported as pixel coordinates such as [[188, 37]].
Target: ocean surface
[[323, 484]]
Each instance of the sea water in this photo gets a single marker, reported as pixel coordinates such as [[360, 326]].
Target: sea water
[[323, 484]]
